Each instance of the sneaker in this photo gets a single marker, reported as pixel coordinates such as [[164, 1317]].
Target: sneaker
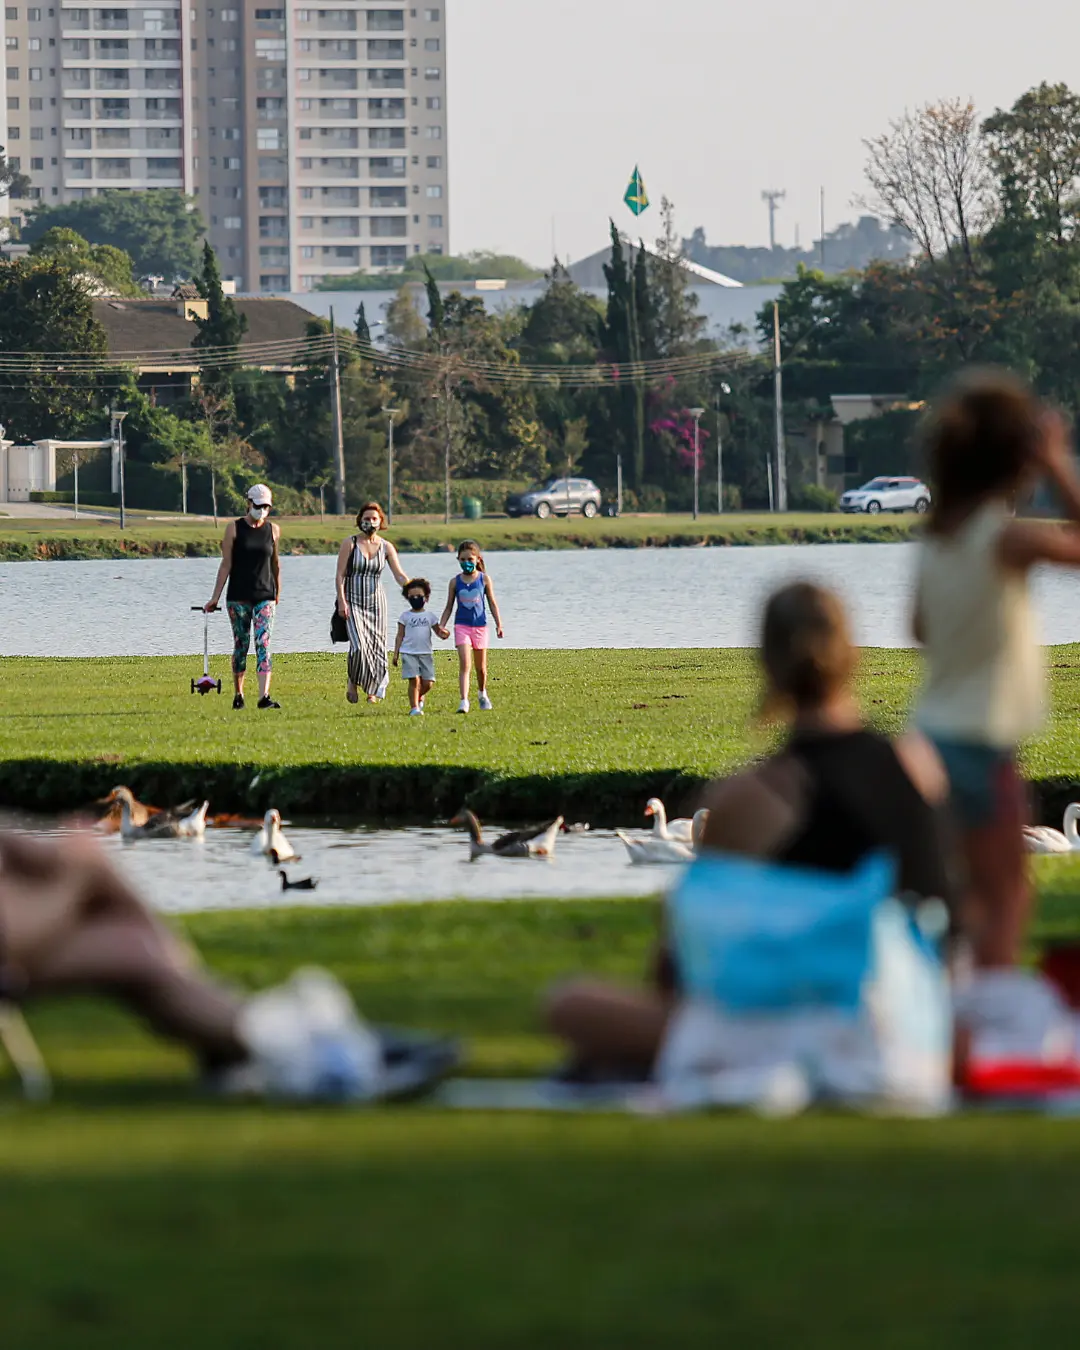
[[238, 701], [416, 712], [268, 702], [463, 706], [486, 704]]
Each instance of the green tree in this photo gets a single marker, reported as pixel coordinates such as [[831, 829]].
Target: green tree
[[404, 326], [628, 336], [221, 332], [1034, 152], [159, 229], [363, 332], [678, 324], [45, 307], [12, 182], [102, 263]]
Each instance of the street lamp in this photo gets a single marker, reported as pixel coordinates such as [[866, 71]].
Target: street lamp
[[390, 413], [724, 389], [118, 438], [697, 414]]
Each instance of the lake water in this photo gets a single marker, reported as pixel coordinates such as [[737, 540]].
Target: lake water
[[695, 597], [370, 867]]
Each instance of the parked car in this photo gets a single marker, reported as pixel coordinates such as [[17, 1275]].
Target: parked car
[[888, 494], [557, 497]]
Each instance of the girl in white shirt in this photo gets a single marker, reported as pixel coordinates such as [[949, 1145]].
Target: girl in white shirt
[[413, 645], [989, 439]]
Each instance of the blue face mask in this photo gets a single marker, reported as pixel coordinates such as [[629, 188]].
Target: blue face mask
[[468, 566]]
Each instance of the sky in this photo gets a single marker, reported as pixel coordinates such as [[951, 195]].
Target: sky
[[551, 103]]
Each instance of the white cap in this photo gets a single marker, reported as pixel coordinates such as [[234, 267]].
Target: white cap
[[260, 495]]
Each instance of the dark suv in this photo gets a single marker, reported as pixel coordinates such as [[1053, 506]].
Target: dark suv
[[556, 497]]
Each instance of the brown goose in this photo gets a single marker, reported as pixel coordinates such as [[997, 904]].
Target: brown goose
[[537, 842], [181, 823], [110, 818]]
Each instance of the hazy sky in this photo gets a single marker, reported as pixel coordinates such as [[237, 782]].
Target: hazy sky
[[551, 103]]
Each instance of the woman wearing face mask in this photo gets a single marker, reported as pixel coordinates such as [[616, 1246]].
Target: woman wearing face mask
[[362, 602], [251, 566]]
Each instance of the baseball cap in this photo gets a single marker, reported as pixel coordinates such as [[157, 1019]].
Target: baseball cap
[[260, 495]]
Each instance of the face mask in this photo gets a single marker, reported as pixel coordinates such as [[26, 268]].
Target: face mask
[[258, 512], [417, 601], [369, 526], [468, 566]]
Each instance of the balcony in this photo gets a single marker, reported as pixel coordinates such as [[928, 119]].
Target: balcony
[[386, 109], [326, 112], [113, 168], [162, 81], [159, 139], [386, 79], [159, 169], [381, 49], [114, 140], [111, 25], [113, 110], [170, 112], [276, 227], [386, 138], [76, 79], [386, 21], [386, 168], [326, 168], [273, 198], [117, 79]]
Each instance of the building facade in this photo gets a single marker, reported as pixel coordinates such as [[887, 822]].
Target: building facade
[[314, 141]]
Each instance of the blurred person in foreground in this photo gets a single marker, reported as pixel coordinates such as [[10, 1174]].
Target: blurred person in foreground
[[831, 795]]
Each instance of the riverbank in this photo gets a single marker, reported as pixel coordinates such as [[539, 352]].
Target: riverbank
[[27, 540], [429, 1228], [590, 734]]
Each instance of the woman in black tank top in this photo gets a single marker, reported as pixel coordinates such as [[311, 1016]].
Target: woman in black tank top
[[834, 793], [251, 566]]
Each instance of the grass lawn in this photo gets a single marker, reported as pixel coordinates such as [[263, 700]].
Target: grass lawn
[[591, 733], [138, 1215], [173, 536]]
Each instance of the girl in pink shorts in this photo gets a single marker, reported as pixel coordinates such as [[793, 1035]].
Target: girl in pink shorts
[[472, 592]]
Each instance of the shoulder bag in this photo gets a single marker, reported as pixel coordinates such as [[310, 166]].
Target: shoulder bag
[[339, 629]]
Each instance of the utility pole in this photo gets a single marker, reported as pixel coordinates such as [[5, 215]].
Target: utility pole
[[778, 394], [183, 482], [823, 229], [697, 414], [724, 389], [773, 196], [339, 437], [117, 419], [75, 467], [390, 412], [448, 413]]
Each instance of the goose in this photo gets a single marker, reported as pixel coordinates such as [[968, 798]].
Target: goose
[[651, 851], [193, 826], [163, 824], [681, 830], [537, 842], [109, 820], [1044, 839], [271, 843]]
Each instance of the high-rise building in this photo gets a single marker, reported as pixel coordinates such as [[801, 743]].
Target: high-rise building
[[313, 140]]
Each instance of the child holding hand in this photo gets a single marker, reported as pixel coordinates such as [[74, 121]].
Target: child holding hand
[[413, 645], [472, 593]]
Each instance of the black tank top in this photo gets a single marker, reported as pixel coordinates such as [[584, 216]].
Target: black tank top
[[251, 577], [862, 801]]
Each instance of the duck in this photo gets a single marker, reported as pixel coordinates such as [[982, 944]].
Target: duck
[[537, 842], [652, 851], [271, 843], [110, 817], [681, 830], [229, 821], [172, 824], [306, 884], [1045, 839]]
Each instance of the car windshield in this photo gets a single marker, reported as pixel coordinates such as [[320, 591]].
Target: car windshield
[[875, 485], [545, 486]]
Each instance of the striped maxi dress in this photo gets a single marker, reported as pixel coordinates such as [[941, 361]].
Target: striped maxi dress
[[367, 622]]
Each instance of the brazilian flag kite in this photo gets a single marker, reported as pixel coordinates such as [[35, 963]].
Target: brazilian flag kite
[[637, 199]]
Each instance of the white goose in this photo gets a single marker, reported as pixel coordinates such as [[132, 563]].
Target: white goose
[[163, 825], [194, 825], [652, 851], [681, 830], [271, 843], [1045, 839]]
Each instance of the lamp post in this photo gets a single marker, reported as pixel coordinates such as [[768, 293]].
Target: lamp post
[[697, 414], [118, 437], [390, 413], [724, 389]]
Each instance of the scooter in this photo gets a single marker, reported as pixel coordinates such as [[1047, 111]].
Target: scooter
[[205, 684]]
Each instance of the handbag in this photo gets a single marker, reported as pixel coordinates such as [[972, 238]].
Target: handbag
[[339, 629]]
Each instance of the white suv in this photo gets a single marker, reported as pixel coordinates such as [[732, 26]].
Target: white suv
[[888, 494]]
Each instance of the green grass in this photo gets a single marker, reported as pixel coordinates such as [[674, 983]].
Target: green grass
[[593, 734], [136, 1214], [24, 539]]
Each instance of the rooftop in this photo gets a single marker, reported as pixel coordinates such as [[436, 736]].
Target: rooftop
[[159, 326]]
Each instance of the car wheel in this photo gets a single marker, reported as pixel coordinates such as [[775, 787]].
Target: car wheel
[[873, 508], [922, 506], [590, 509], [543, 510]]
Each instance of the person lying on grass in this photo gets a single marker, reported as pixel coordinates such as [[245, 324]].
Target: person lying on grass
[[834, 793], [69, 922]]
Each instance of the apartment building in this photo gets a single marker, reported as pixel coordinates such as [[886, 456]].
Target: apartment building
[[314, 140]]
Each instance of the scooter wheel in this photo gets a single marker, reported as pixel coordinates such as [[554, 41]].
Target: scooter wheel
[[219, 686], [192, 686]]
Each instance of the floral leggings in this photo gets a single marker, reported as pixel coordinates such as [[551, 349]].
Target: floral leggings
[[242, 617]]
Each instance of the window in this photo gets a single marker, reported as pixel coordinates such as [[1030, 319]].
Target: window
[[268, 138], [389, 255], [261, 13], [306, 133], [435, 104], [433, 73], [432, 45], [232, 222], [305, 45], [13, 103], [306, 194], [307, 222], [34, 44], [36, 104], [304, 104], [270, 49], [434, 161], [233, 162], [13, 133], [34, 15], [37, 133], [227, 44], [389, 227], [233, 15], [12, 44], [434, 190], [435, 222], [10, 12], [35, 74], [432, 15], [307, 251], [231, 103], [303, 75], [12, 72], [433, 133], [37, 163]]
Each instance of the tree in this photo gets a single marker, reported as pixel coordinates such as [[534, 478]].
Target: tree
[[363, 332], [930, 176], [436, 309], [12, 182], [45, 307], [445, 267], [678, 324], [1034, 151], [627, 337], [160, 229], [102, 264], [223, 329], [404, 326]]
